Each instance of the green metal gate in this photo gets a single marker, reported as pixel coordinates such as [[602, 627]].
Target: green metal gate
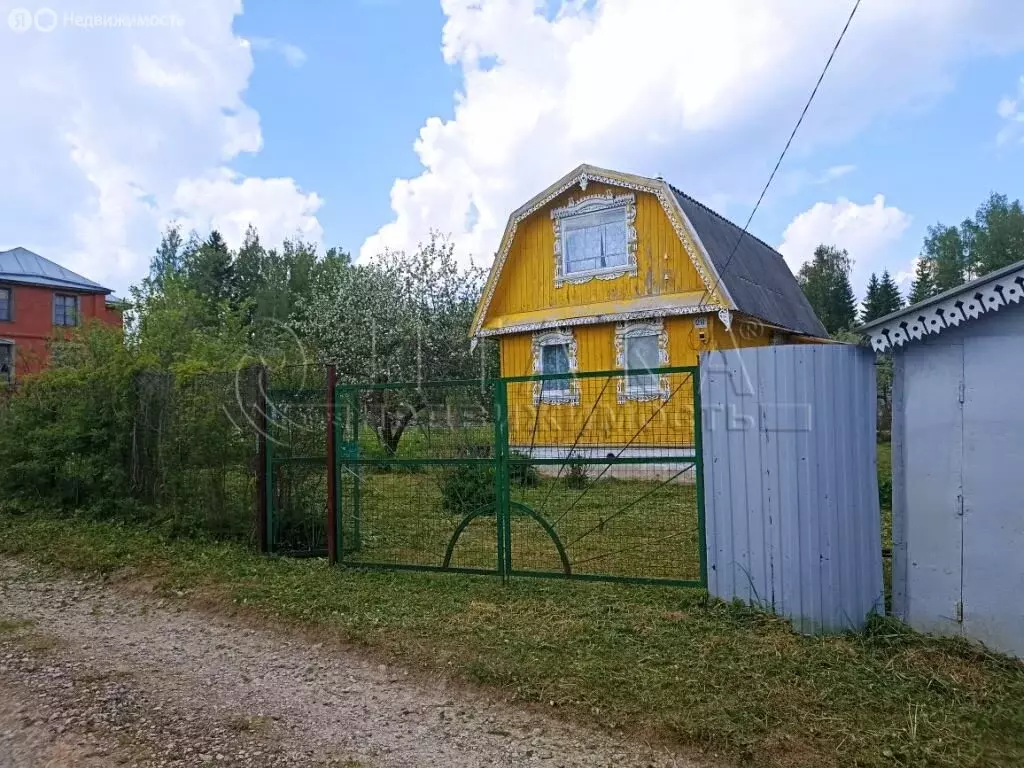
[[587, 476]]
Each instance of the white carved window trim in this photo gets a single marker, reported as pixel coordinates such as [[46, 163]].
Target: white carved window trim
[[593, 204], [571, 394], [624, 331]]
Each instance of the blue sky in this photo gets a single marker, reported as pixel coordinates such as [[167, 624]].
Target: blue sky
[[366, 123]]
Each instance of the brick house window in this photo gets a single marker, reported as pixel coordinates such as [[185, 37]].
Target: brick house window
[[6, 363], [65, 310], [5, 304]]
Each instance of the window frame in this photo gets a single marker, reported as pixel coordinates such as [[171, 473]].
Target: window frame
[[58, 298], [589, 206], [10, 304], [628, 389], [13, 347], [558, 395]]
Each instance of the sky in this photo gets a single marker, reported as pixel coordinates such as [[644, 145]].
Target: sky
[[365, 124]]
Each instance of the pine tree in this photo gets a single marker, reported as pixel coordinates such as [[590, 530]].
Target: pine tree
[[210, 269], [891, 298], [825, 281], [923, 286], [168, 257], [869, 311]]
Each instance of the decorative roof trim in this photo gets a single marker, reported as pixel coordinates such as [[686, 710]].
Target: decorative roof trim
[[640, 314], [583, 175], [987, 295]]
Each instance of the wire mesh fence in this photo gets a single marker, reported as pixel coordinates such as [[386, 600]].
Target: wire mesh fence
[[180, 453], [582, 475]]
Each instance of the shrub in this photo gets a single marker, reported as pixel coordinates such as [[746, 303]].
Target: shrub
[[885, 491], [467, 488], [575, 474], [522, 474]]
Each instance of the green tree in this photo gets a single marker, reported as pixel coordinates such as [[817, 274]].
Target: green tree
[[825, 281], [209, 269], [944, 249], [923, 286], [168, 257], [883, 297], [402, 317], [995, 237]]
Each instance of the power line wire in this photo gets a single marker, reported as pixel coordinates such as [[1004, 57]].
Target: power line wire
[[807, 106]]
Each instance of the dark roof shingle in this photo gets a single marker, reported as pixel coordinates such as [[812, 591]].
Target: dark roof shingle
[[756, 277]]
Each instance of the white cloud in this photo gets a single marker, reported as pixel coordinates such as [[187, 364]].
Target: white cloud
[[293, 55], [1011, 109], [870, 233], [701, 93], [228, 202], [110, 132], [836, 172]]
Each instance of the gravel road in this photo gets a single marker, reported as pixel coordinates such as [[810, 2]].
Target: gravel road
[[95, 675]]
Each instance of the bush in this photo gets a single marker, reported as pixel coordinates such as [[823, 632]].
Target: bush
[[522, 474], [885, 491], [467, 488], [575, 475]]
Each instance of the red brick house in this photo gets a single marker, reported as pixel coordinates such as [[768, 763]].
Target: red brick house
[[40, 299]]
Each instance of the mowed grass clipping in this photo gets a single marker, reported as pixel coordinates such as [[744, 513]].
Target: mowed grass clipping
[[667, 662]]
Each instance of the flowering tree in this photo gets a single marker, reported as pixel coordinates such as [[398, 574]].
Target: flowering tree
[[403, 317]]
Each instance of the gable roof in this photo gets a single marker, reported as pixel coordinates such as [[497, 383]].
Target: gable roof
[[20, 265], [756, 275], [983, 295], [755, 281]]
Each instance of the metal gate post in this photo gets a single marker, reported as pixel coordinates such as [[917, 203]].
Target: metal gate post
[[698, 467], [357, 473], [501, 489], [332, 467]]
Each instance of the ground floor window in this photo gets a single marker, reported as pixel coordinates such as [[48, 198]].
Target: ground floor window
[[554, 352], [6, 363], [640, 349]]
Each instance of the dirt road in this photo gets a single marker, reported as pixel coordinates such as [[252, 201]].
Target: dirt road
[[94, 675]]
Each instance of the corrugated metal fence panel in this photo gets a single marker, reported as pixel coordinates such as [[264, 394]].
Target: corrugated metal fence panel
[[791, 487]]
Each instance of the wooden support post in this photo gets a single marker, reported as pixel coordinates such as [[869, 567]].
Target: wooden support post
[[262, 475]]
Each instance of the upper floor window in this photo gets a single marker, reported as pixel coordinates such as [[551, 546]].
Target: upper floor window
[[595, 237], [5, 304], [65, 310], [595, 240], [6, 362]]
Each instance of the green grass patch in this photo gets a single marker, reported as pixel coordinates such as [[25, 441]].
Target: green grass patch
[[662, 661], [632, 521]]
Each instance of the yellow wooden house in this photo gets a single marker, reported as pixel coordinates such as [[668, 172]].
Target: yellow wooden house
[[610, 271]]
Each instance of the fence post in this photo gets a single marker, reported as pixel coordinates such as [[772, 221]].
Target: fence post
[[698, 467], [262, 475], [501, 512], [332, 467]]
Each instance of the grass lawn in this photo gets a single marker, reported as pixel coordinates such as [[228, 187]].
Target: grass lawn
[[664, 662], [637, 525]]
